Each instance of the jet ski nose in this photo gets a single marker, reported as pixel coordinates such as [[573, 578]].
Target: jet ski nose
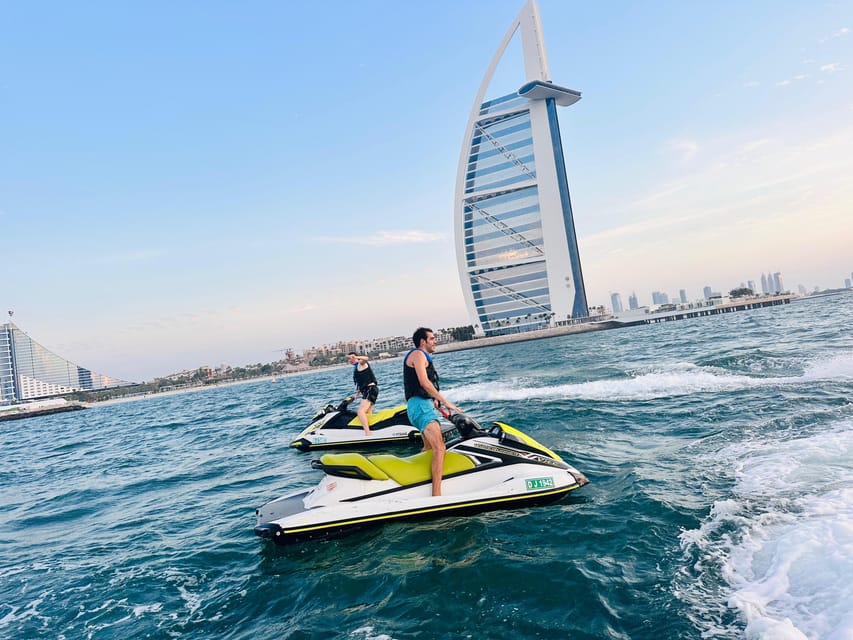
[[580, 477], [268, 531]]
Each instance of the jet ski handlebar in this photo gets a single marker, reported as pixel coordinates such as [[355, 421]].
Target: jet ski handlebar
[[467, 427]]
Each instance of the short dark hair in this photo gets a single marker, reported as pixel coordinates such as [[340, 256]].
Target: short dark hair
[[420, 334], [352, 353]]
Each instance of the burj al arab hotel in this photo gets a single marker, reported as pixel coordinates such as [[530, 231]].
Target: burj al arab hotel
[[515, 236]]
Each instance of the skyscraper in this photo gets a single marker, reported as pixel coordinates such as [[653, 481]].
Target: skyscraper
[[516, 247], [616, 302], [28, 370]]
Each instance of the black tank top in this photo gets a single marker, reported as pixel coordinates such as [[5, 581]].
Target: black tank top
[[363, 378], [411, 384]]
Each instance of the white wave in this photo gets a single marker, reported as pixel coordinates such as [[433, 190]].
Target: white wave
[[368, 633], [838, 366], [141, 609], [29, 612], [662, 381], [783, 543], [675, 380]]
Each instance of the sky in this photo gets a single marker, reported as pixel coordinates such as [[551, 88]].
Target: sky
[[205, 183]]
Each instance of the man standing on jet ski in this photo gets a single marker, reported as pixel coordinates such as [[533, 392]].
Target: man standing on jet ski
[[420, 382], [365, 381]]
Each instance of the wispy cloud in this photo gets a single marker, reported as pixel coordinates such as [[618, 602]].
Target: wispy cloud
[[684, 147], [136, 255], [843, 31], [654, 226], [661, 195], [757, 178], [796, 78], [832, 67], [182, 322], [302, 308], [749, 147], [387, 238]]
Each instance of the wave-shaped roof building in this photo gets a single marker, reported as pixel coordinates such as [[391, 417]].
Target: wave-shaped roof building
[[29, 371], [516, 247]]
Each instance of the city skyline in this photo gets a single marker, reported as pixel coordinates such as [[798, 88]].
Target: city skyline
[[190, 202], [769, 283]]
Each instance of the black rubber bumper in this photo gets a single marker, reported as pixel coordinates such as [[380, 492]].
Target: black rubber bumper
[[268, 531]]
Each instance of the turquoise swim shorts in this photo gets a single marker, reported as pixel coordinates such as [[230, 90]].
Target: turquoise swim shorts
[[421, 412]]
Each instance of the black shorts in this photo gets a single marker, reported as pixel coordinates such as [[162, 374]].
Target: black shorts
[[370, 393]]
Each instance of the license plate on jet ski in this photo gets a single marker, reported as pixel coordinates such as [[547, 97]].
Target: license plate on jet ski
[[539, 483]]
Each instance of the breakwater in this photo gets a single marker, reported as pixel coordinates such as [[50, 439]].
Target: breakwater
[[17, 412]]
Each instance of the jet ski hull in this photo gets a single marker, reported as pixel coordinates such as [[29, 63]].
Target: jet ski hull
[[340, 428], [483, 473], [284, 534]]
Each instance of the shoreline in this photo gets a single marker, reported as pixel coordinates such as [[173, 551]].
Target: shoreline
[[538, 334], [611, 322], [213, 385]]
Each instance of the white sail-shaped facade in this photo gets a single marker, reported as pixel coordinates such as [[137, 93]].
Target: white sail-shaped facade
[[516, 246], [28, 370]]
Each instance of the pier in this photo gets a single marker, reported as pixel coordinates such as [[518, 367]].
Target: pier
[[684, 312], [627, 319]]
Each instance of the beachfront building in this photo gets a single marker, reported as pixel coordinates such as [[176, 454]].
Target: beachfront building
[[516, 247], [29, 371]]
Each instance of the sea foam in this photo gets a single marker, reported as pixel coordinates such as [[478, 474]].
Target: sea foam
[[783, 542], [661, 381]]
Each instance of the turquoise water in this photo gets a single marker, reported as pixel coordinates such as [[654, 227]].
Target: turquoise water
[[720, 505]]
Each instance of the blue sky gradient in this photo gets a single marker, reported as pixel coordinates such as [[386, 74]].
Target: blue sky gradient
[[208, 182]]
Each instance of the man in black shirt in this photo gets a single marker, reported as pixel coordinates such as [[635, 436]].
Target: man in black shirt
[[423, 399]]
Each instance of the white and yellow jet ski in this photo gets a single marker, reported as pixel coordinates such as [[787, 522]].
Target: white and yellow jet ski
[[501, 468], [338, 427]]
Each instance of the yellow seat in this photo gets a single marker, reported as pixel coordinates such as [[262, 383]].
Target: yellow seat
[[416, 468], [352, 461], [379, 416]]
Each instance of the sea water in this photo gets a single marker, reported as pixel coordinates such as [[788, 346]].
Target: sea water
[[720, 505]]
